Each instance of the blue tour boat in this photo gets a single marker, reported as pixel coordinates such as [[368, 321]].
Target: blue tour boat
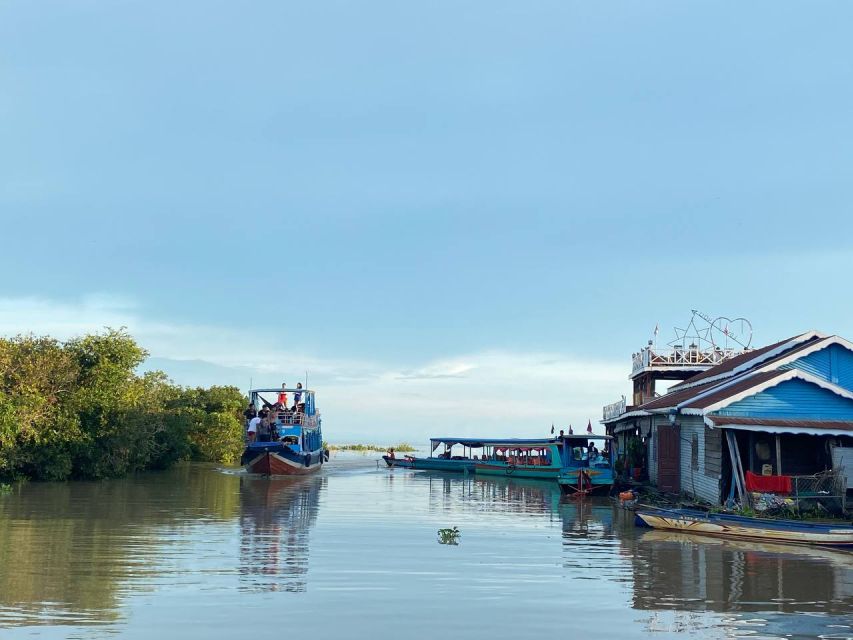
[[544, 458], [587, 468], [292, 441]]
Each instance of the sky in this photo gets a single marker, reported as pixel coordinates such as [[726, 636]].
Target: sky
[[457, 217]]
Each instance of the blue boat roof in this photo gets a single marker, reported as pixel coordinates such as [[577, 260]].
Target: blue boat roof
[[490, 442], [516, 442]]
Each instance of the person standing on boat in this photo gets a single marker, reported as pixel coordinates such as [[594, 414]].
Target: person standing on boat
[[252, 428], [297, 396], [250, 413], [282, 395]]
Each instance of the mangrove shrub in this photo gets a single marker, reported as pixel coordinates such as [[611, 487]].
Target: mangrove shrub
[[81, 409]]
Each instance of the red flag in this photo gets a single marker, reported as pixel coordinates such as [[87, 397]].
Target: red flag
[[589, 427]]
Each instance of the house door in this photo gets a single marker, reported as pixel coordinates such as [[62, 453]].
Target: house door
[[669, 458]]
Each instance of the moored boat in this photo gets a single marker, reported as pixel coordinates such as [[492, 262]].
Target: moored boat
[[560, 458], [521, 458], [586, 468], [746, 528], [406, 462], [290, 441], [444, 461]]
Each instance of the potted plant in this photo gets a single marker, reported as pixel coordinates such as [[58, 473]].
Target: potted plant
[[636, 453]]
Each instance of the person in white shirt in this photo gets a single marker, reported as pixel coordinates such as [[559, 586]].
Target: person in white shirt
[[252, 429]]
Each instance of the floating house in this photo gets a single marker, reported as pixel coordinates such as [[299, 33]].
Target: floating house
[[777, 419]]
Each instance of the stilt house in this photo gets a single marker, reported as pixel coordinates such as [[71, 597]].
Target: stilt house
[[766, 416]]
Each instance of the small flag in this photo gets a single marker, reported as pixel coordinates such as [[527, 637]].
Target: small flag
[[657, 329], [589, 427], [552, 428], [570, 430]]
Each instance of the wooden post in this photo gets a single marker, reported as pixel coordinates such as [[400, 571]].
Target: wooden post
[[778, 455], [752, 451], [737, 467]]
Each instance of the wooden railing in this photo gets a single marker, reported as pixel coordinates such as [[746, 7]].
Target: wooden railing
[[691, 356]]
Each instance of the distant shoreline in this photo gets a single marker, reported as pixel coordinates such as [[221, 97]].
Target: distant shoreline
[[403, 446]]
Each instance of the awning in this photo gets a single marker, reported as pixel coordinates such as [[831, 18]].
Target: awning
[[778, 425]]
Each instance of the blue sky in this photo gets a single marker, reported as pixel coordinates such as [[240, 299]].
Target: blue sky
[[424, 203]]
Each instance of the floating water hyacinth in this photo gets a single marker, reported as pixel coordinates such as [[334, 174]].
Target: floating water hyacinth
[[449, 536]]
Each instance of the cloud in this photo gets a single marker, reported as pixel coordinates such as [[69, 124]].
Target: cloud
[[496, 392]]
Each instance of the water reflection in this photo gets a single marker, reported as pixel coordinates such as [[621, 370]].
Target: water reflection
[[68, 550], [157, 550], [276, 515], [695, 573], [492, 493]]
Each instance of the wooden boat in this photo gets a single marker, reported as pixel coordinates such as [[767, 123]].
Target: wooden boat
[[294, 442], [406, 462], [586, 470], [441, 462], [746, 528], [559, 458], [521, 458]]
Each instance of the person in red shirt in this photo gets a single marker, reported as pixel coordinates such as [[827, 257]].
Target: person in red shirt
[[282, 395]]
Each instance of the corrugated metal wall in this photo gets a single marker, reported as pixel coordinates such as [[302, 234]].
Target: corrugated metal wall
[[793, 399], [835, 364], [701, 483]]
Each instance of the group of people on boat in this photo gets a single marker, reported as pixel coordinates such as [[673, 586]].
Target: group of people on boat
[[262, 425]]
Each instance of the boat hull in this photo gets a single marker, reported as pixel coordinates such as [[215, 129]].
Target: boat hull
[[403, 463], [600, 481], [431, 464], [744, 528], [281, 461], [518, 471]]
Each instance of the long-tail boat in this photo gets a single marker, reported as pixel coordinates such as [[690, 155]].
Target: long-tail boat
[[728, 525], [521, 458], [515, 457], [291, 443]]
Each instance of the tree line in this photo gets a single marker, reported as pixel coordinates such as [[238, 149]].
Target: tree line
[[80, 409]]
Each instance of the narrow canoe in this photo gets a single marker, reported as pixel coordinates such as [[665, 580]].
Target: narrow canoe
[[431, 464], [405, 463], [745, 528]]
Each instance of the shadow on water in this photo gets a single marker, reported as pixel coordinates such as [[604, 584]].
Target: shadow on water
[[276, 515]]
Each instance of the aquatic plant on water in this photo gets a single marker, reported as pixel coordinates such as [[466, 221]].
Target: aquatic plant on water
[[449, 536]]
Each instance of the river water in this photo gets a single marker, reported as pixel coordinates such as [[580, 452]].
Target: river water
[[202, 552]]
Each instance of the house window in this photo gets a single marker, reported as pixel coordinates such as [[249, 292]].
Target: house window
[[694, 452]]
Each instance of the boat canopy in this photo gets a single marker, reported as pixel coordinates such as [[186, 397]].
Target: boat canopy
[[279, 389], [495, 442]]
